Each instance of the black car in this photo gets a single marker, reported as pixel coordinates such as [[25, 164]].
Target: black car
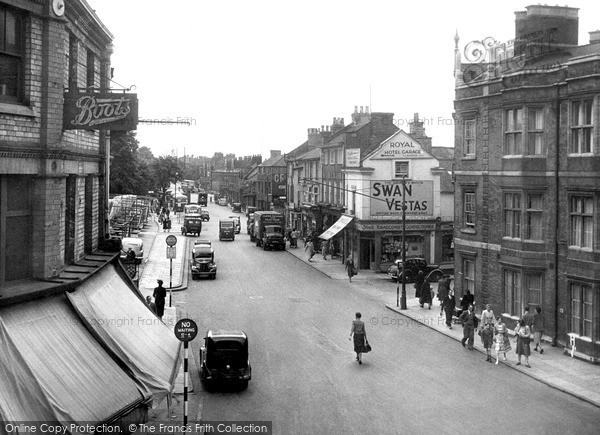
[[433, 273], [224, 359], [202, 263], [204, 215]]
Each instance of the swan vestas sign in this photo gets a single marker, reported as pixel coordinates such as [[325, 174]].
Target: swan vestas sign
[[100, 111], [388, 197]]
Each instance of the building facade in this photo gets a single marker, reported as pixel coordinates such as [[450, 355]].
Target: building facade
[[271, 183], [527, 230], [53, 181]]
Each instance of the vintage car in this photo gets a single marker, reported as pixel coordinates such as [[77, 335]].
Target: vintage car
[[202, 262], [236, 207], [236, 222], [432, 272], [224, 359], [222, 201], [192, 209], [226, 230], [136, 245], [192, 223], [204, 215]]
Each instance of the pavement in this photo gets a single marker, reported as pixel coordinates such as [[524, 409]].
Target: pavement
[[573, 376]]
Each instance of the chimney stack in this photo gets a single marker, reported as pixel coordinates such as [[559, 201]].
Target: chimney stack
[[275, 153], [417, 131], [315, 139], [595, 37]]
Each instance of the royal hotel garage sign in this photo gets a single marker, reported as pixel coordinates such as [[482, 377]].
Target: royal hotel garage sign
[[100, 111]]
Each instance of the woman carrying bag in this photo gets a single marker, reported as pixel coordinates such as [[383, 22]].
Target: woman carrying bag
[[361, 345]]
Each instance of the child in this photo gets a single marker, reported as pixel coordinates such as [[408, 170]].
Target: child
[[487, 338]]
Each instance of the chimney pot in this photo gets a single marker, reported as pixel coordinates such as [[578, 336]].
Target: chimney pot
[[355, 109], [367, 109], [361, 109], [595, 37]]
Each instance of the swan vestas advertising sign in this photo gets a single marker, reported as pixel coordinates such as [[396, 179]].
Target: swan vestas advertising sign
[[388, 196]]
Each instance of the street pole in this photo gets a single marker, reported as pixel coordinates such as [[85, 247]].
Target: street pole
[[403, 300], [170, 282]]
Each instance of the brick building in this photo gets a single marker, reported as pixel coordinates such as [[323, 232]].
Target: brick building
[[527, 140], [53, 181]]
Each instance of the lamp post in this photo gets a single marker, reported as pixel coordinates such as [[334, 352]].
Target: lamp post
[[403, 300]]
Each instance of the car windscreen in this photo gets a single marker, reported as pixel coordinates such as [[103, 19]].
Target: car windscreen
[[226, 224], [227, 353], [273, 230]]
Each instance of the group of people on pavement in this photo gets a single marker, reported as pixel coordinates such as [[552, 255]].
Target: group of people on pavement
[[164, 218]]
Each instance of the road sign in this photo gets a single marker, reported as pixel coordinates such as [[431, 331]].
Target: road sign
[[171, 240], [171, 252], [186, 330]]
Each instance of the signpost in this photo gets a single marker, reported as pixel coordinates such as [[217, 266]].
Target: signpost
[[171, 253], [185, 330]]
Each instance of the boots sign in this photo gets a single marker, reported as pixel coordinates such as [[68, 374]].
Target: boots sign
[[387, 198], [100, 111]]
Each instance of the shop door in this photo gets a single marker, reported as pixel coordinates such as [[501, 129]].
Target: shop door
[[367, 253]]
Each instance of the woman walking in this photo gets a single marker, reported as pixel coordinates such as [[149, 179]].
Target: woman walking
[[310, 247], [523, 338], [350, 267], [502, 341], [360, 336], [448, 305]]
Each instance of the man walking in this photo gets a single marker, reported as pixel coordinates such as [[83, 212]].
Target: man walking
[[469, 325], [538, 329], [310, 248]]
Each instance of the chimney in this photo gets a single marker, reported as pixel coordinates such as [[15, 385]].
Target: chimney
[[275, 153], [355, 116], [315, 139], [543, 29], [417, 132], [337, 125], [595, 37]]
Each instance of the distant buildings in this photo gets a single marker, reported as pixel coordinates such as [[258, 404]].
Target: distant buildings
[[527, 176]]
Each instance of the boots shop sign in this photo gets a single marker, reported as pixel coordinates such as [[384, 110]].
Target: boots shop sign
[[100, 111]]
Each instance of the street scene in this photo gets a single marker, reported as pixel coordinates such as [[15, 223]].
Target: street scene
[[327, 217]]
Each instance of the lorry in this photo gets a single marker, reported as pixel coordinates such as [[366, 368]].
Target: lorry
[[269, 230], [203, 199]]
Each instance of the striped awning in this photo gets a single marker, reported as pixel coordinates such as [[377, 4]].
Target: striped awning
[[336, 227]]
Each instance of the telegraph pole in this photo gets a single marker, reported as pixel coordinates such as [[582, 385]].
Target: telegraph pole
[[403, 300]]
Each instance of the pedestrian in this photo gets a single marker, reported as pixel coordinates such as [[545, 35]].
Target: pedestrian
[[160, 294], [294, 239], [523, 339], [538, 329], [442, 293], [501, 339], [151, 304], [528, 318], [419, 280], [465, 301], [448, 305], [487, 316], [310, 248], [350, 268], [324, 249], [167, 224], [426, 294], [469, 325], [487, 339], [360, 336]]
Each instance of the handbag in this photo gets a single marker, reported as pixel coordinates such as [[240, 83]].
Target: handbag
[[354, 271], [366, 347]]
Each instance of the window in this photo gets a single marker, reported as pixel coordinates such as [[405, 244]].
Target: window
[[469, 138], [581, 127], [469, 209], [512, 215], [513, 298], [535, 132], [469, 275], [581, 309], [400, 169], [91, 70], [334, 157], [581, 210], [513, 132], [11, 55], [534, 284], [534, 216]]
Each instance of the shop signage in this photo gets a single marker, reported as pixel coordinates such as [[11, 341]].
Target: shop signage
[[388, 197], [100, 111], [394, 227], [400, 146], [353, 158]]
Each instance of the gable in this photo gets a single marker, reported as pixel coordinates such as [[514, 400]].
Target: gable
[[399, 146]]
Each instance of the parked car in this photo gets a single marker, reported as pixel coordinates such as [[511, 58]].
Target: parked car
[[204, 215], [236, 222], [192, 209], [433, 272], [226, 230], [136, 244], [202, 262], [224, 359], [222, 201], [236, 207]]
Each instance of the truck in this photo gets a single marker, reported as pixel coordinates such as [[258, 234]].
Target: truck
[[203, 199], [269, 227]]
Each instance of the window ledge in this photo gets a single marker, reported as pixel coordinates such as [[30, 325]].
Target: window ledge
[[534, 241], [579, 337], [467, 231], [581, 155], [16, 109], [524, 156], [469, 158], [580, 249]]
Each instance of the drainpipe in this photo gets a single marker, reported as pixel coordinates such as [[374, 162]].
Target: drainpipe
[[556, 215]]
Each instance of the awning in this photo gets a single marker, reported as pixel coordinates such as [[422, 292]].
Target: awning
[[124, 324], [52, 368], [338, 226]]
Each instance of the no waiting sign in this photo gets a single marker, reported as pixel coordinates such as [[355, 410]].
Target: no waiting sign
[[186, 330]]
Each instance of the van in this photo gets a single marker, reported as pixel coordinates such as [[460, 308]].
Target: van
[[226, 230]]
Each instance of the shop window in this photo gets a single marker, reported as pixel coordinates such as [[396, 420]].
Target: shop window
[[581, 127], [447, 247], [581, 211], [400, 169], [469, 138], [12, 53], [581, 309], [392, 247], [513, 132]]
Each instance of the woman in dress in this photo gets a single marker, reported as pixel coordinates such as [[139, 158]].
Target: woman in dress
[[501, 339], [360, 336], [523, 339], [350, 267]]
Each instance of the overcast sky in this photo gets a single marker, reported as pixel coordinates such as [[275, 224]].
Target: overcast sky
[[253, 76]]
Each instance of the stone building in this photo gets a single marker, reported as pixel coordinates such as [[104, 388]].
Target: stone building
[[527, 206], [53, 181]]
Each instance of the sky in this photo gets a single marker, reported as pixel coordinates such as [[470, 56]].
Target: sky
[[253, 76]]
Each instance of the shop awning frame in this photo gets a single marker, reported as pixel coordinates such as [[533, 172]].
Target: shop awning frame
[[338, 226]]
